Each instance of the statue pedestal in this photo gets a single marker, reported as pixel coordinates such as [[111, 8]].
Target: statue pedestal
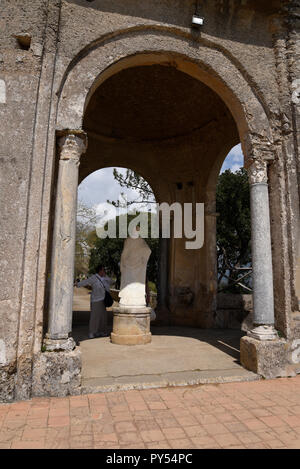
[[131, 325]]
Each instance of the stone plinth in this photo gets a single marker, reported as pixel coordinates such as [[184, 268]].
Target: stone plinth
[[266, 358], [7, 382], [131, 326], [57, 374]]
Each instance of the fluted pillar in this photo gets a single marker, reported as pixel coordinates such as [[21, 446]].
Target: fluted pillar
[[71, 147], [263, 295]]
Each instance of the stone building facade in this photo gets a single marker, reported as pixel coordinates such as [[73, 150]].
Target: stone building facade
[[87, 84]]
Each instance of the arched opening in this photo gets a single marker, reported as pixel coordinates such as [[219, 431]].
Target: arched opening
[[103, 200], [234, 257], [174, 131], [174, 123]]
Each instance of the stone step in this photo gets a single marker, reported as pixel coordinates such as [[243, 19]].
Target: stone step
[[183, 378]]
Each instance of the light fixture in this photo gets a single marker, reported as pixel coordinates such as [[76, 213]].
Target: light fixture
[[197, 21]]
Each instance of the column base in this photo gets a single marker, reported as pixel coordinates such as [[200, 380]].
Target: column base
[[263, 332], [59, 345], [8, 374], [131, 326], [265, 357], [57, 374], [122, 339]]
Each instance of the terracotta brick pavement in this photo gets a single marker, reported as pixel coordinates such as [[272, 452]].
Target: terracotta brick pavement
[[260, 414]]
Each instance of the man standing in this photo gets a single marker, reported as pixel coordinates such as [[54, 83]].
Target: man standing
[[99, 282]]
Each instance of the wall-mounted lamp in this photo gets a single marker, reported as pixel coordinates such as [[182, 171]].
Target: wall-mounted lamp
[[197, 21]]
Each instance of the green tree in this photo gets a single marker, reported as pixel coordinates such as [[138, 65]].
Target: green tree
[[132, 180], [233, 224], [85, 237], [233, 229]]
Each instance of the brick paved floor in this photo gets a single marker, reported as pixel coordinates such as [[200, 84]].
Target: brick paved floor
[[261, 414]]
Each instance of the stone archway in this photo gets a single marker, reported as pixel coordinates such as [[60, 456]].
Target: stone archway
[[172, 132], [214, 67], [213, 70]]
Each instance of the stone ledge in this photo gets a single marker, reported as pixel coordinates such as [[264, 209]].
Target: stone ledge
[[57, 374], [181, 379]]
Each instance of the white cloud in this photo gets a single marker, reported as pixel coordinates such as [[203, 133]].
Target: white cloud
[[234, 160], [234, 168], [101, 186]]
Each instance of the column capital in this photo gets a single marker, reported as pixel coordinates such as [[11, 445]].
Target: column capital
[[257, 172], [72, 145]]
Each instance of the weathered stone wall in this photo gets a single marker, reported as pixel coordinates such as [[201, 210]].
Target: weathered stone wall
[[284, 172], [41, 41], [20, 71], [294, 70], [234, 311]]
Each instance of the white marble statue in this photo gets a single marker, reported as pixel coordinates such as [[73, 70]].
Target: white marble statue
[[134, 259]]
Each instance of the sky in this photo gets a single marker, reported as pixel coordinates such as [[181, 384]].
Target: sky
[[101, 186], [234, 159]]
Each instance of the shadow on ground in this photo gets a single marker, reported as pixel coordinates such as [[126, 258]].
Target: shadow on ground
[[225, 340]]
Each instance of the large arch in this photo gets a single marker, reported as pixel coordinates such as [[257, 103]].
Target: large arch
[[147, 47], [125, 120]]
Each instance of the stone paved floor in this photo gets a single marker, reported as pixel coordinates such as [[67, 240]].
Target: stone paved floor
[[260, 414], [176, 355]]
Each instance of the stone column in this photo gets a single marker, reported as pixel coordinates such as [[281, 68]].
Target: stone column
[[263, 296], [162, 290], [163, 268], [71, 147]]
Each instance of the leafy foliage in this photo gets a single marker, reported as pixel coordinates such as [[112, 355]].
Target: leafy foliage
[[85, 237], [233, 227], [132, 180], [233, 232]]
